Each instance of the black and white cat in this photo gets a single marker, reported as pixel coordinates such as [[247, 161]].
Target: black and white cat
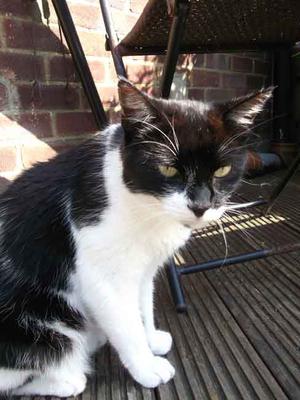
[[83, 235]]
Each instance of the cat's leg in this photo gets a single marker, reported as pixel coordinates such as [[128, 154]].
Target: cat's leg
[[44, 385], [116, 308], [66, 377], [160, 342], [10, 379], [62, 381]]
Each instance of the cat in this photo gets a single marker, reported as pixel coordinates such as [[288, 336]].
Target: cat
[[83, 235]]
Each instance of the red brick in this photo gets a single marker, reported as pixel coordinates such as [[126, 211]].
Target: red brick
[[32, 154], [140, 74], [37, 123], [137, 6], [9, 129], [119, 4], [123, 22], [75, 123], [3, 97], [86, 15], [196, 94], [261, 67], [255, 82], [48, 97], [219, 95], [242, 64], [93, 43], [19, 127], [17, 8], [15, 66], [239, 92], [234, 81], [8, 158], [108, 94], [62, 69], [205, 78], [29, 35], [217, 61], [84, 104], [98, 70]]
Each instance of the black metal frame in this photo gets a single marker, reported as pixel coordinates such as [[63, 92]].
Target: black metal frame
[[173, 50], [112, 39], [81, 65], [180, 12], [175, 273]]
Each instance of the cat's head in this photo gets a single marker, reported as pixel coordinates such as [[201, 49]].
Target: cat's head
[[187, 155]]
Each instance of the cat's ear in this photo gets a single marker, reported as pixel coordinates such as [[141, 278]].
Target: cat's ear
[[243, 110], [135, 104]]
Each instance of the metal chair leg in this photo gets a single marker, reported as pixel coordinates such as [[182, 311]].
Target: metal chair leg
[[175, 36], [282, 184], [176, 288], [80, 62], [111, 39]]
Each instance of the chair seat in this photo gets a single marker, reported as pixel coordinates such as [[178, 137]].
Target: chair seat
[[217, 25]]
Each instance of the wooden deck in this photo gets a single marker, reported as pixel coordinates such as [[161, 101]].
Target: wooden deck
[[241, 336]]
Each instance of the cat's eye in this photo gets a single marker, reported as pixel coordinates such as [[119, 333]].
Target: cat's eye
[[223, 171], [168, 172]]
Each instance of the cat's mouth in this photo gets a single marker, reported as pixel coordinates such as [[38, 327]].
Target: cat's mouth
[[210, 215]]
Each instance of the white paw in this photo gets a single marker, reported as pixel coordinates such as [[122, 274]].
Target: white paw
[[73, 385], [65, 389], [151, 374], [70, 388], [46, 386], [160, 342]]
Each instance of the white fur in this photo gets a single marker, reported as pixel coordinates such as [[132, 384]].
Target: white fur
[[117, 260], [10, 379], [112, 286]]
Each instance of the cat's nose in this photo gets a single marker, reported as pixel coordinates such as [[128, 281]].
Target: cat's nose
[[198, 211]]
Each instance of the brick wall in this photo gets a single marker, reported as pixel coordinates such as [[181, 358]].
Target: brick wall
[[42, 105]]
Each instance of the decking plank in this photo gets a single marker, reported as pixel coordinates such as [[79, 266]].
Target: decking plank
[[263, 367], [235, 289]]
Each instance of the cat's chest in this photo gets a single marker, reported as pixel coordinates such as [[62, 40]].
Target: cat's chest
[[116, 242]]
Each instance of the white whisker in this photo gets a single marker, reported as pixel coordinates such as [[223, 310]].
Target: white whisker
[[220, 224], [228, 141], [173, 130], [159, 130], [153, 142]]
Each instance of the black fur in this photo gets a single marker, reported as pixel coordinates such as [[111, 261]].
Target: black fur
[[37, 251], [200, 134]]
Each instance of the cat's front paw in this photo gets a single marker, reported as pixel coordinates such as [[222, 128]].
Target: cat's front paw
[[160, 342], [154, 372]]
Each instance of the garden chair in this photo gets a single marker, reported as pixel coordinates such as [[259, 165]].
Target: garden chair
[[172, 27]]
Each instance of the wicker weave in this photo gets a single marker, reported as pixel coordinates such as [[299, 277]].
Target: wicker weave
[[216, 25]]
